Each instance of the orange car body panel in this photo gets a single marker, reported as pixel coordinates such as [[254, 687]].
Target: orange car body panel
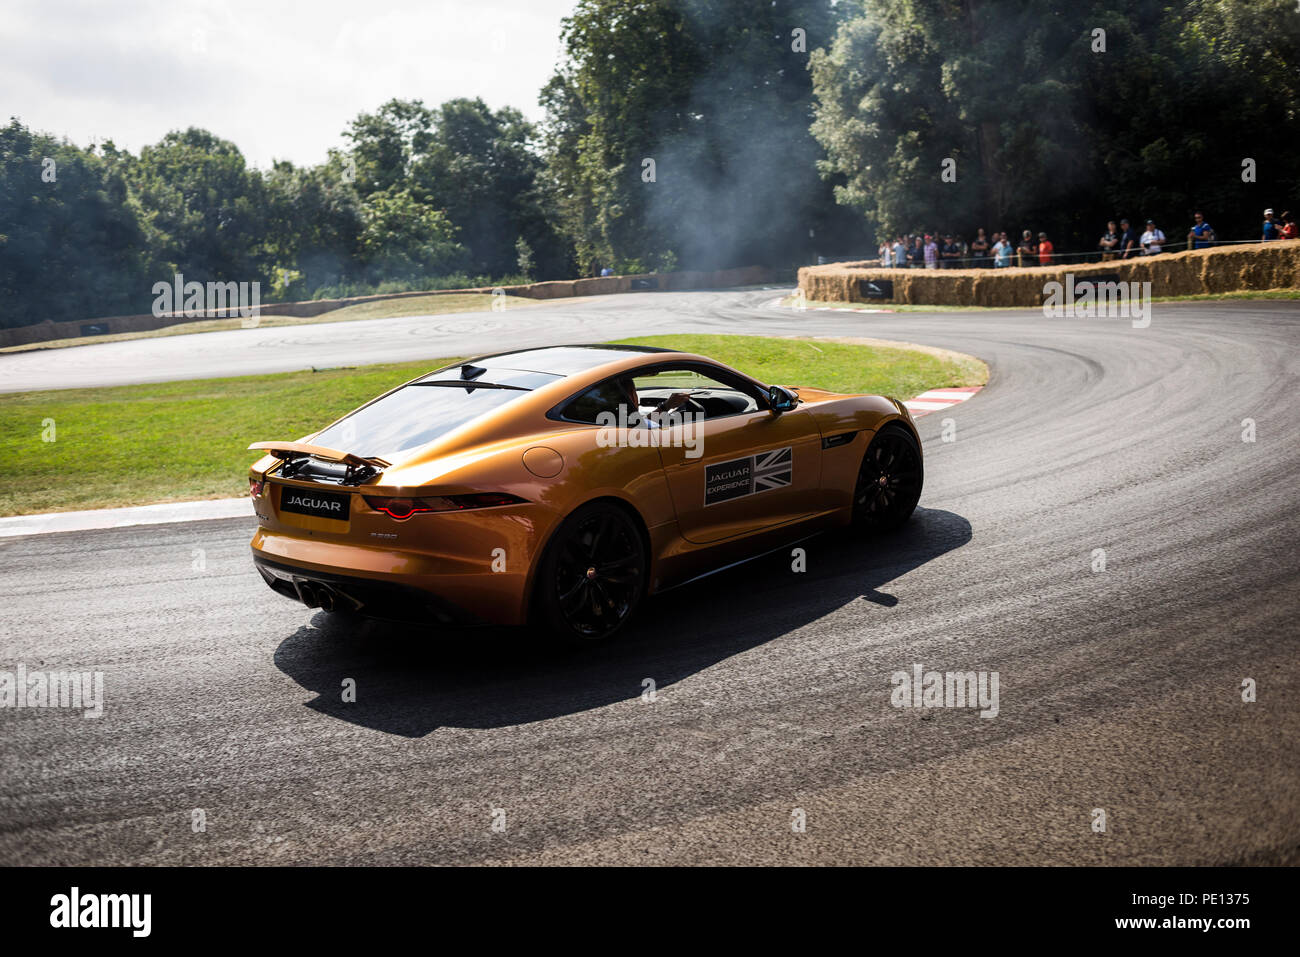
[[482, 560]]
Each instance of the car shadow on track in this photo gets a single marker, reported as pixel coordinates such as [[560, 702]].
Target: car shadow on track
[[410, 681]]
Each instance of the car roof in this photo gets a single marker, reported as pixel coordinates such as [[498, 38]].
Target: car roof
[[527, 384], [563, 360]]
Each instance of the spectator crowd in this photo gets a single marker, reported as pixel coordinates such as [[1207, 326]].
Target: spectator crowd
[[995, 251]]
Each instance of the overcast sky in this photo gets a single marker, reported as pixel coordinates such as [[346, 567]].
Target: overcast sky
[[281, 79]]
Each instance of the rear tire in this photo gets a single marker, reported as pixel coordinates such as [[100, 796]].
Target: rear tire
[[889, 481], [592, 575]]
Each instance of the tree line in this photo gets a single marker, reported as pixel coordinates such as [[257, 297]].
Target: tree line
[[698, 134]]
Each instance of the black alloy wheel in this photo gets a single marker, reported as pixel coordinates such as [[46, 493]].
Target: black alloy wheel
[[889, 481], [593, 575]]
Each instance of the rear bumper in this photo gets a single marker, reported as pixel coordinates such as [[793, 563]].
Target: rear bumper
[[467, 567], [364, 596]]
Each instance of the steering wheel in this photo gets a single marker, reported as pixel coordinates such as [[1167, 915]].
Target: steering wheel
[[690, 405]]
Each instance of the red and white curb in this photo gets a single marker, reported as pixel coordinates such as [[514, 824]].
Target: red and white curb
[[936, 400]]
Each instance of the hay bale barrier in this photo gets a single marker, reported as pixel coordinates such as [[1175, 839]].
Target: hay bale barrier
[[1273, 265]]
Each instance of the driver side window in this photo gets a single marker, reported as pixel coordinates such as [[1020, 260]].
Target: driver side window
[[706, 395]]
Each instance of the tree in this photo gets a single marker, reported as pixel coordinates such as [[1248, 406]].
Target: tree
[[204, 210], [476, 165], [404, 239], [980, 90], [72, 245], [677, 131], [1047, 130], [314, 223], [524, 258], [386, 143], [481, 168]]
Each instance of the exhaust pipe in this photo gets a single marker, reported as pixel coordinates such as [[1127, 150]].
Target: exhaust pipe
[[308, 594], [317, 595], [325, 597]]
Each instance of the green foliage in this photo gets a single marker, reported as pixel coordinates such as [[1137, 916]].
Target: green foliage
[[524, 257], [716, 95], [72, 243], [475, 165], [401, 238], [204, 210], [425, 199], [455, 280], [314, 221], [1048, 133]]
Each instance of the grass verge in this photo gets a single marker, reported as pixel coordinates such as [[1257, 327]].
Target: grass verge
[[179, 441]]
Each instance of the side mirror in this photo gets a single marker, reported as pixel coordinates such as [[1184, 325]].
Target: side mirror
[[780, 399]]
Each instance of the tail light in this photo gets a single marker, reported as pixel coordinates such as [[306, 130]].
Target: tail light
[[254, 488], [401, 508]]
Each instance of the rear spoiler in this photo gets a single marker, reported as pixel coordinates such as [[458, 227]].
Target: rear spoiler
[[296, 450], [359, 467]]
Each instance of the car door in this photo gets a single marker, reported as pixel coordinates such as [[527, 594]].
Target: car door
[[753, 470]]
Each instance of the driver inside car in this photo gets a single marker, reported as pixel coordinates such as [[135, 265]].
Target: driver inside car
[[653, 419]]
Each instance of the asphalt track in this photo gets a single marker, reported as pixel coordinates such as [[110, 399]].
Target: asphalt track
[[1119, 689]]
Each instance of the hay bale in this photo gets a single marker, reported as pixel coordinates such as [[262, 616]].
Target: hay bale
[[1257, 266]]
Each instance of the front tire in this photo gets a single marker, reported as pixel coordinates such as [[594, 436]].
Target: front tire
[[889, 481], [593, 574]]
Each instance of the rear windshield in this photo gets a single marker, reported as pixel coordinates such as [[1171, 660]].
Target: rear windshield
[[414, 415]]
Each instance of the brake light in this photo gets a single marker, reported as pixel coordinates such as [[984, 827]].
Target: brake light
[[403, 508], [254, 488]]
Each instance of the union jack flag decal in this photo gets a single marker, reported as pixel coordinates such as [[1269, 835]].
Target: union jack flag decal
[[772, 469]]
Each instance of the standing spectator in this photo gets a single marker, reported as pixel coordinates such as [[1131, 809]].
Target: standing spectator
[[950, 252], [1109, 242], [1288, 226], [883, 253], [1202, 233], [931, 253], [900, 253], [1026, 251], [1153, 239], [979, 248], [1271, 228], [917, 255], [1128, 241], [1045, 250], [1002, 252]]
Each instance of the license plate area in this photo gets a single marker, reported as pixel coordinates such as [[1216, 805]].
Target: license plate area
[[315, 503]]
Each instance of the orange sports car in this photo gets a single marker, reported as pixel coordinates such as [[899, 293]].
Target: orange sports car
[[562, 485]]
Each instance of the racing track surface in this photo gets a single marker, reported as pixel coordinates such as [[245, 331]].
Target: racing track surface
[[1118, 690]]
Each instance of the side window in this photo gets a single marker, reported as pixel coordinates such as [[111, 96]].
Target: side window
[[707, 396], [605, 397], [685, 389]]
